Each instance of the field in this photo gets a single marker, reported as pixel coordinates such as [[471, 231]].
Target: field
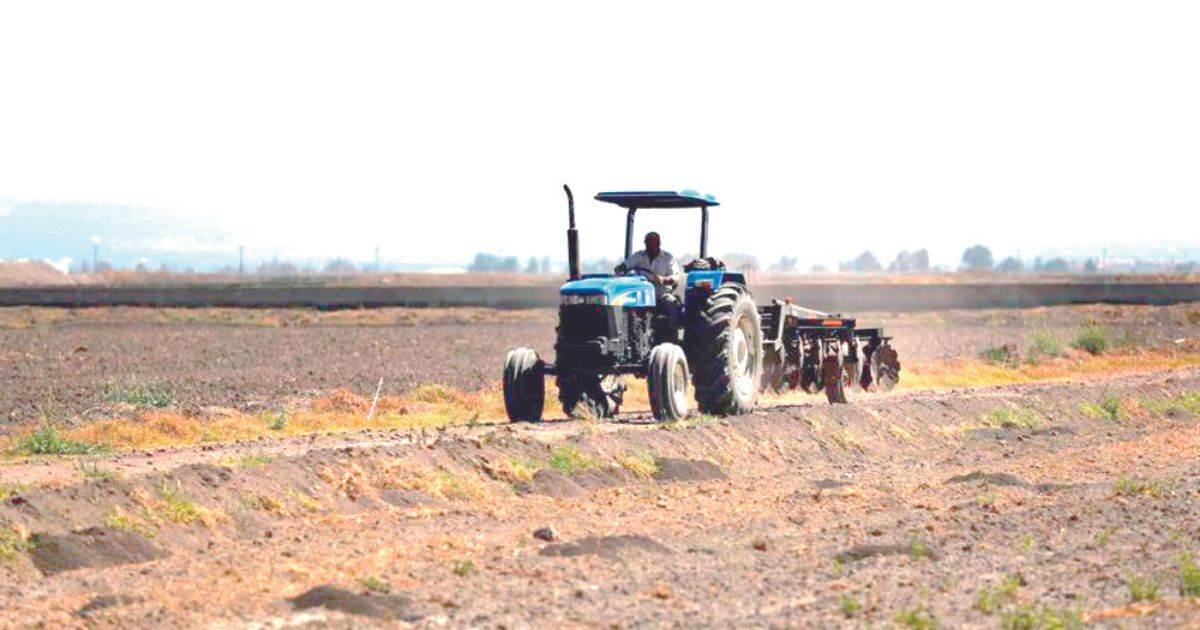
[[184, 467]]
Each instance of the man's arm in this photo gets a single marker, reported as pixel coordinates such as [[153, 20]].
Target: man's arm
[[671, 279]]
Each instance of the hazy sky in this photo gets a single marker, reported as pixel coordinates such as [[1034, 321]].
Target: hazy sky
[[436, 130]]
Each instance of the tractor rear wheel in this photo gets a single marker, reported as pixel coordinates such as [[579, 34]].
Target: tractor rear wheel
[[666, 380], [588, 395], [725, 352], [524, 385]]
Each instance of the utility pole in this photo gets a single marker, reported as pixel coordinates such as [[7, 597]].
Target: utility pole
[[241, 260], [377, 267]]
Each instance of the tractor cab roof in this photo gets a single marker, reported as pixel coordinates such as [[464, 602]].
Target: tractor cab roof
[[658, 199]]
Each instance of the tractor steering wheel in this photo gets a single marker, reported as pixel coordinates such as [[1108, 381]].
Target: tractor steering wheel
[[645, 273]]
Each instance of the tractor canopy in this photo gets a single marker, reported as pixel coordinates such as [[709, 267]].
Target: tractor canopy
[[632, 200], [658, 199]]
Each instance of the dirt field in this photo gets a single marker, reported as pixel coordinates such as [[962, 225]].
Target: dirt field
[[1020, 506], [900, 509], [64, 363]]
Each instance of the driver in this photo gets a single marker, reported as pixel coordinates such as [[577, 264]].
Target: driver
[[657, 265], [660, 269]]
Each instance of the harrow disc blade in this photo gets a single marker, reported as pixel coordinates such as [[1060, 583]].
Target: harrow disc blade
[[885, 365]]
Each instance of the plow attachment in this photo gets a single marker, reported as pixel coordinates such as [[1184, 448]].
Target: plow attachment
[[814, 351]]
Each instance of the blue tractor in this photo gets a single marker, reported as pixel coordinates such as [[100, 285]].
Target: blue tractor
[[611, 327]]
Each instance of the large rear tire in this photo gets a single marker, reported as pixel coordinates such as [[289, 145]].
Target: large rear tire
[[588, 395], [725, 352], [524, 386], [666, 381]]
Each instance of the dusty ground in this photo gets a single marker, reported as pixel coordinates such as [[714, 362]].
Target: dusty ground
[[1016, 506], [900, 507], [63, 363]]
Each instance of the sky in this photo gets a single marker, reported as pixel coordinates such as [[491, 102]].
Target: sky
[[437, 130]]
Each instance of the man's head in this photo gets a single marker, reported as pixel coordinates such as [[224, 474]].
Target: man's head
[[653, 244]]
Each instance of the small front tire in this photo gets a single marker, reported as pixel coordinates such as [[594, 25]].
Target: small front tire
[[524, 385], [667, 379]]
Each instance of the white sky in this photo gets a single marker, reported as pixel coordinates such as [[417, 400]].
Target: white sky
[[824, 128]]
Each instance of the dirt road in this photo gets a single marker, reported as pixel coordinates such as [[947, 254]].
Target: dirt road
[[976, 508]]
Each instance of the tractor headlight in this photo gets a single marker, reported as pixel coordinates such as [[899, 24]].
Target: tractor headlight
[[600, 299]]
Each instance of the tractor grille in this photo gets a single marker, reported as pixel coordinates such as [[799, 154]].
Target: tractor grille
[[584, 322]]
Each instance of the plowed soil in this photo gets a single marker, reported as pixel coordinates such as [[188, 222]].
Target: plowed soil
[[63, 363]]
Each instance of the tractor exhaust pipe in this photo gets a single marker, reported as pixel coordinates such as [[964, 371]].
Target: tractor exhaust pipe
[[572, 236]]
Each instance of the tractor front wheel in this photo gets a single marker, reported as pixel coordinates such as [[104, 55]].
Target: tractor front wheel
[[725, 350], [666, 380], [524, 385]]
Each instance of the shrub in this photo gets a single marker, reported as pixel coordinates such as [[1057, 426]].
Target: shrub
[[1003, 355], [1091, 338], [1045, 344]]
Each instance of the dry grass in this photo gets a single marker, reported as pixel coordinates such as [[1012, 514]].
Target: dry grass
[[446, 484], [976, 373], [641, 464]]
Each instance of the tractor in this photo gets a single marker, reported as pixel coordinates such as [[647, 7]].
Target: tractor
[[728, 349]]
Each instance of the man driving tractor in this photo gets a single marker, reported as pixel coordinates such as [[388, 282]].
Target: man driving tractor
[[659, 267]]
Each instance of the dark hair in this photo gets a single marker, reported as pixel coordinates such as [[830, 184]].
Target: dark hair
[[654, 234]]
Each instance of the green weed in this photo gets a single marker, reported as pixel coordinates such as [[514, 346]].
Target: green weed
[[1131, 487], [992, 598], [1189, 576], [1013, 418], [849, 605], [46, 440], [1000, 355], [143, 395], [13, 540], [1109, 407], [568, 460], [1031, 617], [376, 584], [94, 472], [1142, 589], [917, 618], [1187, 403], [463, 568]]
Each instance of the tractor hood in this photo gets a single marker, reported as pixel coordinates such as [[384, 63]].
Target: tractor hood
[[627, 291]]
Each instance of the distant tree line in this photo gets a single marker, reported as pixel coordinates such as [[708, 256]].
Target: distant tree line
[[493, 263]]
